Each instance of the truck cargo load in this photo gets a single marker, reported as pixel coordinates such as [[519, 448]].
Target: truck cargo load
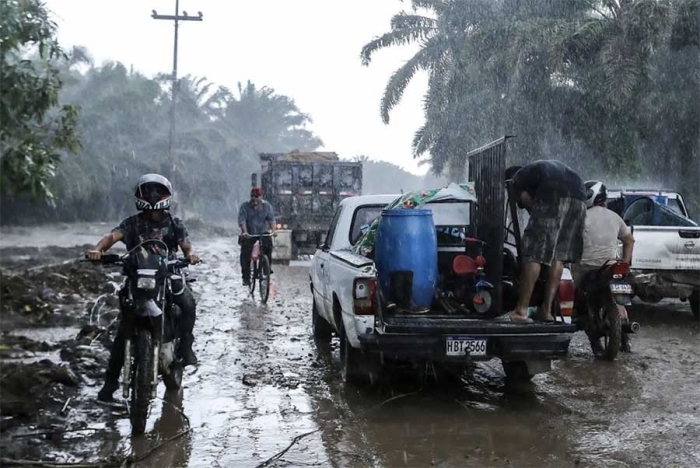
[[305, 189]]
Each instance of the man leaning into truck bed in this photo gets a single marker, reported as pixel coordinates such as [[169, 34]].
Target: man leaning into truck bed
[[555, 197]]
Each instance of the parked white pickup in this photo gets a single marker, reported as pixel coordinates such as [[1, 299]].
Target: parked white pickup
[[343, 283], [666, 257], [666, 263]]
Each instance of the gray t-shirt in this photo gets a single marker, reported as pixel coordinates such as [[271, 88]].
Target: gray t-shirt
[[603, 229], [257, 221]]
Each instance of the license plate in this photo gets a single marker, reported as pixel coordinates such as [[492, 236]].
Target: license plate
[[621, 288], [458, 346]]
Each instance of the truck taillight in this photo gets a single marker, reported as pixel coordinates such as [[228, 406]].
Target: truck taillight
[[567, 289], [363, 295]]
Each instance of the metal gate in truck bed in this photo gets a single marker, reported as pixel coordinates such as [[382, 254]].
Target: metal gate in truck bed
[[487, 169]]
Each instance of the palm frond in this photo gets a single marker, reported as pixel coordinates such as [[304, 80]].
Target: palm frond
[[622, 69], [393, 38], [403, 20], [437, 6], [401, 77]]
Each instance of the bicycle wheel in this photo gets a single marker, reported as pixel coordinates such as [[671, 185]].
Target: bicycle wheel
[[264, 277], [254, 275]]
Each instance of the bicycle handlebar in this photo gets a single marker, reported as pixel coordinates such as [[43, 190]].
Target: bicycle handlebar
[[257, 236]]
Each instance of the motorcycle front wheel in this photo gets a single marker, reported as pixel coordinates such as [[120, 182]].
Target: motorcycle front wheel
[[606, 337], [142, 381]]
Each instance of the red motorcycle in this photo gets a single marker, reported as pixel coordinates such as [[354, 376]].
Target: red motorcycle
[[596, 309]]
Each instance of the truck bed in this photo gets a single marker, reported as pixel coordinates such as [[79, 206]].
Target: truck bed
[[666, 248]]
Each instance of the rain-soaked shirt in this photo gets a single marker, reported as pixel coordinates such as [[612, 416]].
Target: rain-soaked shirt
[[136, 229], [550, 180], [256, 221], [603, 229]]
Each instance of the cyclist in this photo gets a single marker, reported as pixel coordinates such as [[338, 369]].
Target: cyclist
[[255, 217]]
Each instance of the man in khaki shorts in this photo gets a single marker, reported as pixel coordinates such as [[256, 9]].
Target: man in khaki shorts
[[555, 197]]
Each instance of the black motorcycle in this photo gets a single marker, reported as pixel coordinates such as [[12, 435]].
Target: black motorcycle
[[150, 323], [596, 309]]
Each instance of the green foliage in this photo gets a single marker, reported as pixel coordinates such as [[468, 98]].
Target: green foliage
[[34, 129], [611, 87], [124, 129]]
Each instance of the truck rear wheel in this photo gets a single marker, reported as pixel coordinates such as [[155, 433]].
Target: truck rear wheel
[[516, 371], [355, 366], [321, 328], [694, 300]]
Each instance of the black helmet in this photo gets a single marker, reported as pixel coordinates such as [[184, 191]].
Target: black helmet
[[596, 193], [153, 192]]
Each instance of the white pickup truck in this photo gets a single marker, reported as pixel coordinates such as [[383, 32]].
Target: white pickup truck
[[343, 284], [666, 257]]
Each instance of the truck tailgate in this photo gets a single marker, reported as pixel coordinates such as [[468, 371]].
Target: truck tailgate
[[437, 325], [415, 337], [666, 248]]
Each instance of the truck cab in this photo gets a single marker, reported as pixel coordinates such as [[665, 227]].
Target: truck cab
[[620, 199]]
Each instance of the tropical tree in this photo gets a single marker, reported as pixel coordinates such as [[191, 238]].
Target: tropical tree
[[124, 127], [267, 122], [34, 130], [569, 79]]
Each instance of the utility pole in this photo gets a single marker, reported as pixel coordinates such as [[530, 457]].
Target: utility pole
[[176, 18]]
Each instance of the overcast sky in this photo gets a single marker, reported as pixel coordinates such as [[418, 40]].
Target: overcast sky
[[306, 49]]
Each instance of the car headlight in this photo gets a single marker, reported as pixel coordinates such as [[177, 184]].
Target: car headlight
[[146, 282]]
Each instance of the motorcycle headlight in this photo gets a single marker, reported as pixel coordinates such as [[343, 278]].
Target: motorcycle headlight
[[146, 282]]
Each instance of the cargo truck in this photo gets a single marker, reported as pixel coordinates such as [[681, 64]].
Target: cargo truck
[[305, 189]]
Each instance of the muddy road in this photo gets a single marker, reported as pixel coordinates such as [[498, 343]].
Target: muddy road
[[266, 394]]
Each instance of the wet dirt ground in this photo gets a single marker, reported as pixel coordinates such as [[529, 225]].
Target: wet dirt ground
[[264, 385]]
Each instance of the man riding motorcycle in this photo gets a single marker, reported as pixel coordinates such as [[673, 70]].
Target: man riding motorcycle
[[153, 195], [604, 228], [255, 217]]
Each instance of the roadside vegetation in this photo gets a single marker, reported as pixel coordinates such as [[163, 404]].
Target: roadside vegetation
[[611, 87]]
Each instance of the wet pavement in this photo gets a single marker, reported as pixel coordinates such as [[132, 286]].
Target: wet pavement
[[264, 386]]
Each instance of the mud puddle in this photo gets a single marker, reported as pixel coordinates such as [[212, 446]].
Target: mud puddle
[[266, 393]]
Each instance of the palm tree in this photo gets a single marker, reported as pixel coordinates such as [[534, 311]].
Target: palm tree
[[524, 66], [407, 28], [265, 121], [617, 38]]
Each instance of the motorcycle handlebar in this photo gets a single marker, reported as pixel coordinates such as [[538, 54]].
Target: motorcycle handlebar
[[112, 259], [106, 259], [180, 263]]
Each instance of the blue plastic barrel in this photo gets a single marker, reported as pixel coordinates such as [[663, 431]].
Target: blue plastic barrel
[[406, 257]]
